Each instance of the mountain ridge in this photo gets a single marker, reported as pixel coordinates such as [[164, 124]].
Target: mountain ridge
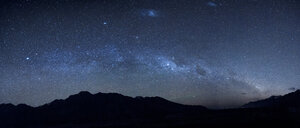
[[86, 110], [85, 107], [282, 101]]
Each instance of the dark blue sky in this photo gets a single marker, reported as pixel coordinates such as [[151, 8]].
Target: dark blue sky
[[218, 53]]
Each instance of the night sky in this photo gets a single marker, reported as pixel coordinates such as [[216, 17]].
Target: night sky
[[218, 53]]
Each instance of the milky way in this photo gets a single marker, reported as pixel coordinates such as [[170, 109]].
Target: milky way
[[214, 53]]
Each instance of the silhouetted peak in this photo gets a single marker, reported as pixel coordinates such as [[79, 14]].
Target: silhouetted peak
[[294, 94], [84, 93], [81, 94], [23, 106], [297, 91]]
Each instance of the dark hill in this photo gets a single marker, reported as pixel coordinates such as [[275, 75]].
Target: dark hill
[[90, 108], [289, 101]]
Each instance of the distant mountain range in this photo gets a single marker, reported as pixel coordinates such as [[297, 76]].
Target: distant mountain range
[[86, 110], [290, 101]]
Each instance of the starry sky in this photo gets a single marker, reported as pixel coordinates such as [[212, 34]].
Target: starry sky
[[216, 53]]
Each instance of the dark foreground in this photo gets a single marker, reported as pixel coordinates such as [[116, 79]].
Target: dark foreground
[[85, 110]]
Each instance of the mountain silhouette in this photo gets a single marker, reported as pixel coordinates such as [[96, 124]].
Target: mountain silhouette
[[111, 110], [289, 101], [88, 108]]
